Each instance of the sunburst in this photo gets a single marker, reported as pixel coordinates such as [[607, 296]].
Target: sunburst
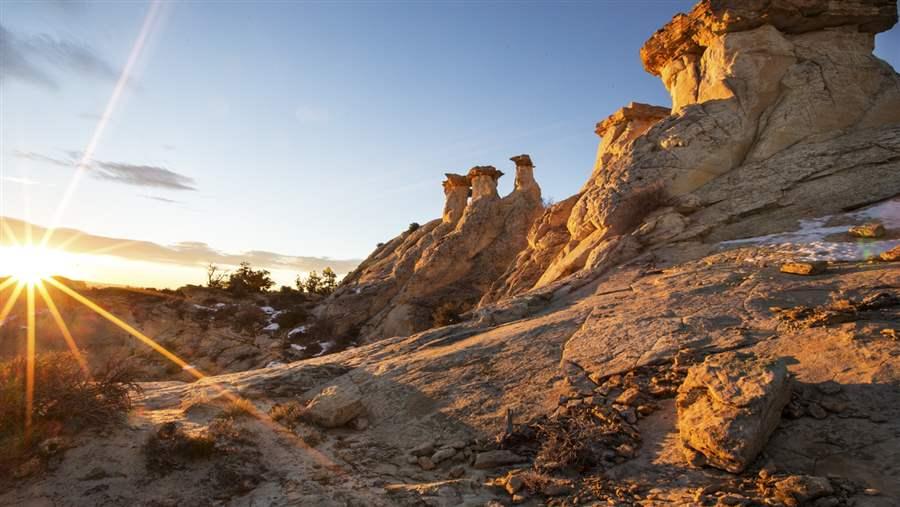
[[29, 266]]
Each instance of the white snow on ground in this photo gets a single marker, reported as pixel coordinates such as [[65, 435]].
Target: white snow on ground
[[298, 347], [357, 290], [267, 310], [809, 243], [326, 346], [273, 364], [297, 330], [221, 305], [201, 307], [272, 327]]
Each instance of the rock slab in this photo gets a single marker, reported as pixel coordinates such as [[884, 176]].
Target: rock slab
[[728, 406], [335, 406]]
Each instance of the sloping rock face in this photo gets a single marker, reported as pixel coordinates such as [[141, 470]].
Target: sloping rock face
[[452, 260], [780, 112], [728, 406]]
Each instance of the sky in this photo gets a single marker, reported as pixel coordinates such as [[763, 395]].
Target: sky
[[299, 131]]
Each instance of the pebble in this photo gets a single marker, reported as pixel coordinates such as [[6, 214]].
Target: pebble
[[816, 410], [443, 454], [426, 463]]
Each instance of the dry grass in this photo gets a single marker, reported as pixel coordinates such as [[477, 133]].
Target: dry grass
[[66, 401], [287, 414], [171, 448], [238, 407], [449, 313]]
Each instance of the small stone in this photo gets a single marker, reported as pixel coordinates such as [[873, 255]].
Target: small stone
[[514, 484], [793, 410], [829, 387], [878, 417], [629, 415], [892, 255], [457, 472], [425, 449], [625, 450], [732, 500], [425, 462], [629, 397], [412, 460], [519, 498], [834, 405], [816, 411], [804, 268], [871, 492], [443, 454], [798, 489], [360, 423], [493, 459], [457, 444], [870, 230], [644, 410]]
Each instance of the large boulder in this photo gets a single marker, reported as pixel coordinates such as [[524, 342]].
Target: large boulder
[[335, 406], [728, 406]]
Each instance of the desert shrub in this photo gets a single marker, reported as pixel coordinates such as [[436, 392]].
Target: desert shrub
[[576, 439], [413, 227], [449, 313], [247, 318], [216, 277], [246, 280], [238, 407], [66, 400], [289, 319], [287, 414], [171, 448], [638, 205]]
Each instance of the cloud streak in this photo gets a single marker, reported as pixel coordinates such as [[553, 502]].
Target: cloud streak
[[187, 253], [32, 59], [138, 175]]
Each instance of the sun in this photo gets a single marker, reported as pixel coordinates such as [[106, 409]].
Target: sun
[[30, 263]]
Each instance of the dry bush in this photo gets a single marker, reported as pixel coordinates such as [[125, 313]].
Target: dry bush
[[287, 414], [575, 440], [66, 401], [292, 318], [449, 313], [635, 208], [171, 448], [248, 318], [238, 407]]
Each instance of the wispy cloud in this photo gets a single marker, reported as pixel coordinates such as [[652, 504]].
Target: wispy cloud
[[138, 175], [187, 253], [33, 59], [20, 181], [161, 199]]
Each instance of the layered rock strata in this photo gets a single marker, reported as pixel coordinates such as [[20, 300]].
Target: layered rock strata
[[451, 261]]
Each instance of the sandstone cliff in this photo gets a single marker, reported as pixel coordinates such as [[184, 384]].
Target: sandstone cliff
[[779, 112], [451, 260]]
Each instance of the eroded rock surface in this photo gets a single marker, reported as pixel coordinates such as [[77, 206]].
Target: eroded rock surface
[[453, 260]]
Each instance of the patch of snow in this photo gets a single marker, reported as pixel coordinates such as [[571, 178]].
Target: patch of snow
[[358, 290], [272, 327], [298, 347], [297, 330], [201, 307], [221, 305], [268, 310], [809, 243], [273, 364], [326, 346]]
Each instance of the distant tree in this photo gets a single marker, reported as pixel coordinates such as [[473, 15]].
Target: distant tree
[[315, 284], [312, 283], [329, 281], [215, 276], [248, 280], [413, 226]]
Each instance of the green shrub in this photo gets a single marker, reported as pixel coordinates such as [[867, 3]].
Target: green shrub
[[246, 280]]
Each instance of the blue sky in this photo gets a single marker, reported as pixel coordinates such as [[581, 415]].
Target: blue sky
[[313, 129]]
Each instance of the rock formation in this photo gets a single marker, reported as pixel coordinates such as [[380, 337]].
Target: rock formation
[[777, 106], [452, 261]]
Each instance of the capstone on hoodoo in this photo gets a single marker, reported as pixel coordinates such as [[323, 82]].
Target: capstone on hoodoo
[[453, 260]]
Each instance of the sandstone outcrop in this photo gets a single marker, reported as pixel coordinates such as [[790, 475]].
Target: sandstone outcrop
[[780, 112], [454, 260], [728, 406]]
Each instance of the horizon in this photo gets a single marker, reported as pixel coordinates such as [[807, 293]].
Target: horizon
[[346, 144]]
